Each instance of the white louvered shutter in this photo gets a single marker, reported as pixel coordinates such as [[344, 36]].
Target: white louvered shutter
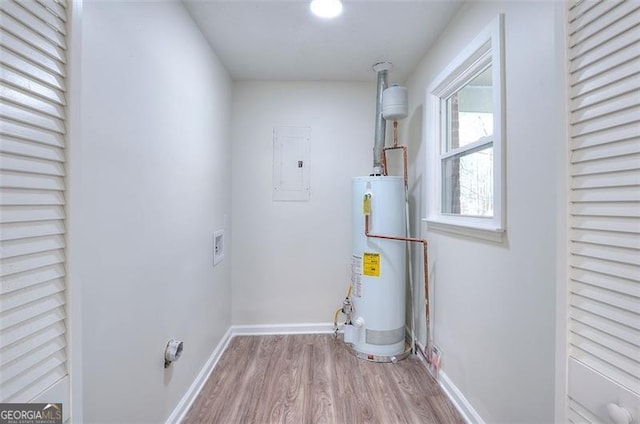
[[32, 219], [604, 286]]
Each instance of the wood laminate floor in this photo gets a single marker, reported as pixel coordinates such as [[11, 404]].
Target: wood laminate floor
[[314, 379]]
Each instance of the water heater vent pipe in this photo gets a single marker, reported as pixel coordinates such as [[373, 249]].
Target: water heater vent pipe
[[382, 69]]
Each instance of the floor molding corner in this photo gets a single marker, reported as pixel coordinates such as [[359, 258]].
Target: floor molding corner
[[456, 397], [469, 415], [189, 397], [187, 400]]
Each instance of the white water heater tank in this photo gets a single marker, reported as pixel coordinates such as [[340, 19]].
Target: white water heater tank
[[379, 268], [394, 103]]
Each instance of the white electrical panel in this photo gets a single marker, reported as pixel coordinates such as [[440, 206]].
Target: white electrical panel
[[291, 169]]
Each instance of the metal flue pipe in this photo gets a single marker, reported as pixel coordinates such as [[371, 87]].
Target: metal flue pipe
[[381, 124]]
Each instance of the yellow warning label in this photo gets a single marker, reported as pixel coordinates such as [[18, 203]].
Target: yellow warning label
[[371, 264], [366, 204]]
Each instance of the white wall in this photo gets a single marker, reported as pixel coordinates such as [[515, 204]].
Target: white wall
[[495, 303], [291, 259], [149, 184], [150, 180]]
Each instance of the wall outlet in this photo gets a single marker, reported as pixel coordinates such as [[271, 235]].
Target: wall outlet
[[218, 246]]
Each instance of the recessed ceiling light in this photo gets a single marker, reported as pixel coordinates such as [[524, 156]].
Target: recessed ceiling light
[[326, 8]]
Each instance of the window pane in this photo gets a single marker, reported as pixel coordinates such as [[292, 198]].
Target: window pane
[[469, 112], [468, 183]]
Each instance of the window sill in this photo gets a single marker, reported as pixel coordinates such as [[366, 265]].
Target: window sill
[[495, 235]]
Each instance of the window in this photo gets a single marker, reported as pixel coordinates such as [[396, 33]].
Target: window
[[466, 144]]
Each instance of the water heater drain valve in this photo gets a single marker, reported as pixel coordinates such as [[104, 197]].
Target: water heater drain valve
[[172, 352]]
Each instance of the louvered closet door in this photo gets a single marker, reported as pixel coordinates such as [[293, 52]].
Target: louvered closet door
[[32, 226], [604, 311]]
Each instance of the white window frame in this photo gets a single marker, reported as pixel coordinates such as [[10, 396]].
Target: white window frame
[[487, 48]]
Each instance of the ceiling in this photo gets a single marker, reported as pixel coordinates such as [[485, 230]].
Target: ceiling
[[283, 41]]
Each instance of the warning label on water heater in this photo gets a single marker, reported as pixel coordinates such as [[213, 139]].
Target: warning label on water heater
[[371, 264], [356, 275]]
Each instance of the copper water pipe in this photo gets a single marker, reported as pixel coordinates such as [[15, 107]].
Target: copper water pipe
[[404, 161], [383, 161], [424, 259], [385, 171], [395, 133]]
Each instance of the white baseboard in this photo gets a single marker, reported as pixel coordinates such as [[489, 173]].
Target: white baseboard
[[469, 415], [463, 406], [187, 400], [255, 330]]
